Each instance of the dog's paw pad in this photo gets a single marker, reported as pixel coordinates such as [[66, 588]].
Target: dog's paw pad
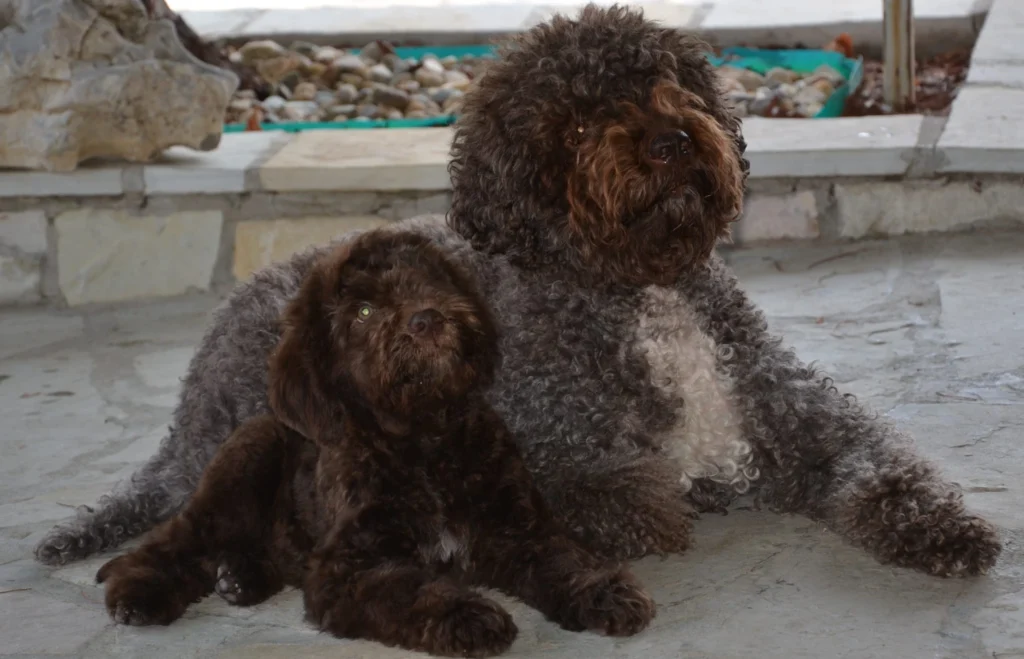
[[227, 585]]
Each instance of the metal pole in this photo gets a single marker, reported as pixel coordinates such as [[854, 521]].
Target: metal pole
[[899, 55]]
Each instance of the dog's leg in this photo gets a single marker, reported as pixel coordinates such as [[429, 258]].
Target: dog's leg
[[520, 547], [570, 586], [821, 455], [222, 529], [622, 511], [367, 581]]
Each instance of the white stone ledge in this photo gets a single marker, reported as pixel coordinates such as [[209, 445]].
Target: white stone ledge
[[848, 146], [87, 181], [985, 133], [184, 171], [361, 159]]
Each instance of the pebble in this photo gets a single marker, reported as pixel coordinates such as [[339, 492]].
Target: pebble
[[304, 91], [350, 64], [254, 51], [274, 69], [340, 112], [325, 98], [300, 110], [456, 80], [372, 52], [274, 103], [346, 93], [380, 73], [304, 48], [428, 77], [368, 110], [391, 97]]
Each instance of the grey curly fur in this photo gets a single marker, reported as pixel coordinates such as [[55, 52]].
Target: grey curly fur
[[641, 382]]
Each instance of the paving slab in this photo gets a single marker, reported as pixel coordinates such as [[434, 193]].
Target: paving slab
[[985, 131], [922, 329]]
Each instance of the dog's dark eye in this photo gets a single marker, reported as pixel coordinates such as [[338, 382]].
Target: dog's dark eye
[[365, 311], [669, 146]]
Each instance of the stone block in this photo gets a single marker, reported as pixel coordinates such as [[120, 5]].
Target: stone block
[[259, 243], [87, 181], [887, 209], [846, 146], [25, 232], [775, 217], [22, 251], [108, 256], [985, 131], [400, 159], [184, 171]]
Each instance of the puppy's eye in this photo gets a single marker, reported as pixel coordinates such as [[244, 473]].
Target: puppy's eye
[[364, 312]]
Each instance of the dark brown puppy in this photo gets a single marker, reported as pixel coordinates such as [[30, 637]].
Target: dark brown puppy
[[411, 490]]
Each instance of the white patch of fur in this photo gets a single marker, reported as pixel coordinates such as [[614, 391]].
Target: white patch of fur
[[446, 548], [708, 441]]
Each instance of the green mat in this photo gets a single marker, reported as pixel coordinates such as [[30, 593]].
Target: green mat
[[754, 59]]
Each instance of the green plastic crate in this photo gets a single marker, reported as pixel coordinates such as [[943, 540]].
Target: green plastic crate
[[755, 59], [800, 61]]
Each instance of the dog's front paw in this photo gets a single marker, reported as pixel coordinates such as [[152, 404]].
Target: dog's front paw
[[139, 594], [245, 581], [612, 604], [472, 627]]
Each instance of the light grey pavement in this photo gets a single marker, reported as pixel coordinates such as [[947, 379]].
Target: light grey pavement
[[926, 330]]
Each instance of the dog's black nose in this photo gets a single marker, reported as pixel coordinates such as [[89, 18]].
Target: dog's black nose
[[669, 146], [425, 322]]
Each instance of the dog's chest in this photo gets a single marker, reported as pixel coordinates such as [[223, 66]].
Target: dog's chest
[[707, 436]]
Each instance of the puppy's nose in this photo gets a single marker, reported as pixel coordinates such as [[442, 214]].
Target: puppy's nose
[[669, 146], [426, 322]]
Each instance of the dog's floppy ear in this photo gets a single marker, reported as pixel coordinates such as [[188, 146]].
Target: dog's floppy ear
[[301, 376]]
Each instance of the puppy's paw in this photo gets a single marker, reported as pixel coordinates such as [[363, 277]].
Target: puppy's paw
[[612, 604], [140, 595], [245, 581], [472, 627]]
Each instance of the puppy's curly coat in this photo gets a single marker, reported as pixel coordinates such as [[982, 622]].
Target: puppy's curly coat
[[594, 168], [384, 485]]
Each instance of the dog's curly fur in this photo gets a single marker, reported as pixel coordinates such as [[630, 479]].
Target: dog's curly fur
[[384, 485], [640, 378]]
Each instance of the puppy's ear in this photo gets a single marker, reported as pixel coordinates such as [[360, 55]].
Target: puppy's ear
[[300, 385]]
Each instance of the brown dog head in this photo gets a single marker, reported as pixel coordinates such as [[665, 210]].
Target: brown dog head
[[385, 330], [601, 143]]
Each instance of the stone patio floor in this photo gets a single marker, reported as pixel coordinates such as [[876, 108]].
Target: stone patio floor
[[927, 330]]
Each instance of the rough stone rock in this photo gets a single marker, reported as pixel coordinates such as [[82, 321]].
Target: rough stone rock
[[84, 79]]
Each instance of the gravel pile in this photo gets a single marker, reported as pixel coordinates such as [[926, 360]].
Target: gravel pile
[[322, 83], [308, 83], [779, 92]]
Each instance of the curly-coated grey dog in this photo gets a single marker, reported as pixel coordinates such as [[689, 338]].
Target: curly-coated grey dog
[[594, 169]]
